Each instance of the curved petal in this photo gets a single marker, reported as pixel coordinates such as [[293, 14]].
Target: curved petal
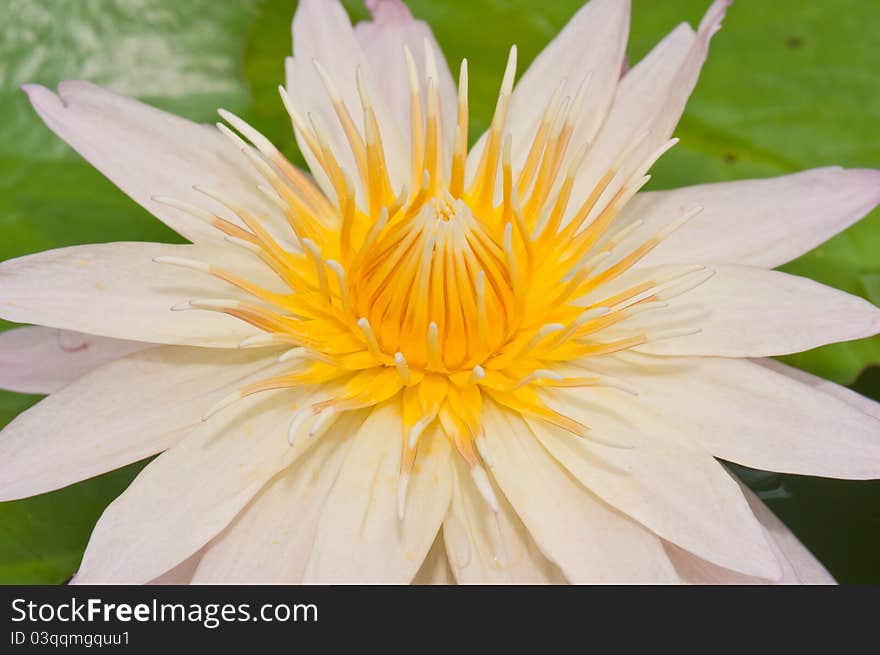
[[485, 547], [323, 33], [752, 312], [668, 484], [649, 102], [43, 360], [857, 400], [754, 416], [590, 541], [435, 569], [271, 540], [147, 153], [762, 223], [799, 566], [360, 537], [592, 45], [192, 491], [383, 40], [120, 413], [117, 290]]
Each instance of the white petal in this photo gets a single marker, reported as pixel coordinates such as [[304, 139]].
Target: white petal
[[485, 547], [752, 312], [435, 569], [751, 415], [650, 100], [147, 153], [117, 290], [857, 400], [360, 537], [798, 564], [591, 542], [191, 492], [591, 44], [271, 540], [762, 223], [665, 482], [322, 32], [120, 413], [383, 40], [43, 360], [182, 574]]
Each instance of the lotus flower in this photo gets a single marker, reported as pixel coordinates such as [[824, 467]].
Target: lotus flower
[[428, 362]]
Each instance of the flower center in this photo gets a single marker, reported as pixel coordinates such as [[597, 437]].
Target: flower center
[[458, 289], [437, 289]]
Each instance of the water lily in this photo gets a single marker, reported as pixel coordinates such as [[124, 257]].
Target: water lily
[[428, 362]]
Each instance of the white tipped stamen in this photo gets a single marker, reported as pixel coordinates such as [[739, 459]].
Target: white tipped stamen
[[476, 375], [216, 304], [183, 262], [254, 136], [537, 375], [192, 210], [261, 340], [402, 368], [435, 354], [417, 429], [544, 332], [241, 243], [370, 337], [294, 353], [481, 480], [234, 397], [673, 290]]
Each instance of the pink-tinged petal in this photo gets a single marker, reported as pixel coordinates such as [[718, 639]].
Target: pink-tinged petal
[[857, 400], [762, 223], [118, 290], [149, 153], [360, 536], [163, 518], [120, 413], [752, 312], [799, 566], [649, 102], [657, 477], [435, 569], [591, 45], [383, 40], [487, 547], [752, 415], [590, 541], [322, 33], [285, 516], [43, 360]]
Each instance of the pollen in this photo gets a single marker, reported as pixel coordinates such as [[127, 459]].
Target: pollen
[[468, 284]]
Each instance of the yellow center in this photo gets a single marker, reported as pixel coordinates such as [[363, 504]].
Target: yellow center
[[458, 287]]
